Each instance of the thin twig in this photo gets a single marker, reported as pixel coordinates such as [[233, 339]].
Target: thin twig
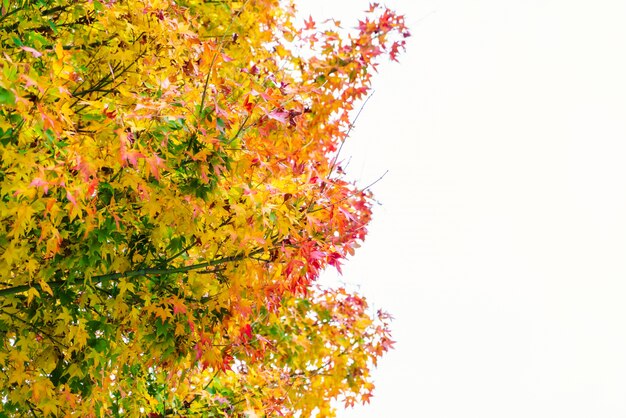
[[208, 75], [37, 329], [181, 252], [343, 141], [350, 195]]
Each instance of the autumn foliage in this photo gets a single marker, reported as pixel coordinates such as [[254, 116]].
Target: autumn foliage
[[170, 193]]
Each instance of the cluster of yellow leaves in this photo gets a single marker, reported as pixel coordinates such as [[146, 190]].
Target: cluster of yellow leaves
[[168, 197]]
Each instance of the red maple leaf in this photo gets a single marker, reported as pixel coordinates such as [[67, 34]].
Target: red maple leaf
[[309, 24]]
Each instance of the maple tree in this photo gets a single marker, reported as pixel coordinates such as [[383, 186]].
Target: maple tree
[[170, 192]]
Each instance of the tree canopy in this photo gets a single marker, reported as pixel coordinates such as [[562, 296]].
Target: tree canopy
[[170, 191]]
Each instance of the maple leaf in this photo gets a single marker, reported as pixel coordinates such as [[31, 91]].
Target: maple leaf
[[33, 51], [39, 182], [155, 163], [279, 115], [178, 307], [70, 196], [309, 24]]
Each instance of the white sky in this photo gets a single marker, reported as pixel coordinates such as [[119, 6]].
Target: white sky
[[500, 245]]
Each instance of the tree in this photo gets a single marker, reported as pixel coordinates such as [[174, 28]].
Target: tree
[[170, 192]]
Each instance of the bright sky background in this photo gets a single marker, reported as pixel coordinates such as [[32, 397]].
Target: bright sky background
[[500, 244]]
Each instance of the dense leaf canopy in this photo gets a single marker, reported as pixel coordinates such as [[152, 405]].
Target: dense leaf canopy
[[170, 192]]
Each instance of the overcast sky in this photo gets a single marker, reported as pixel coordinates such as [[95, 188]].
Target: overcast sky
[[500, 244]]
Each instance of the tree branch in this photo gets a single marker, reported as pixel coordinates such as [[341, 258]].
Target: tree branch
[[350, 195], [134, 273]]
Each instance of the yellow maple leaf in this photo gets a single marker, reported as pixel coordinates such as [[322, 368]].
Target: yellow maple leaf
[[46, 287], [32, 293]]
